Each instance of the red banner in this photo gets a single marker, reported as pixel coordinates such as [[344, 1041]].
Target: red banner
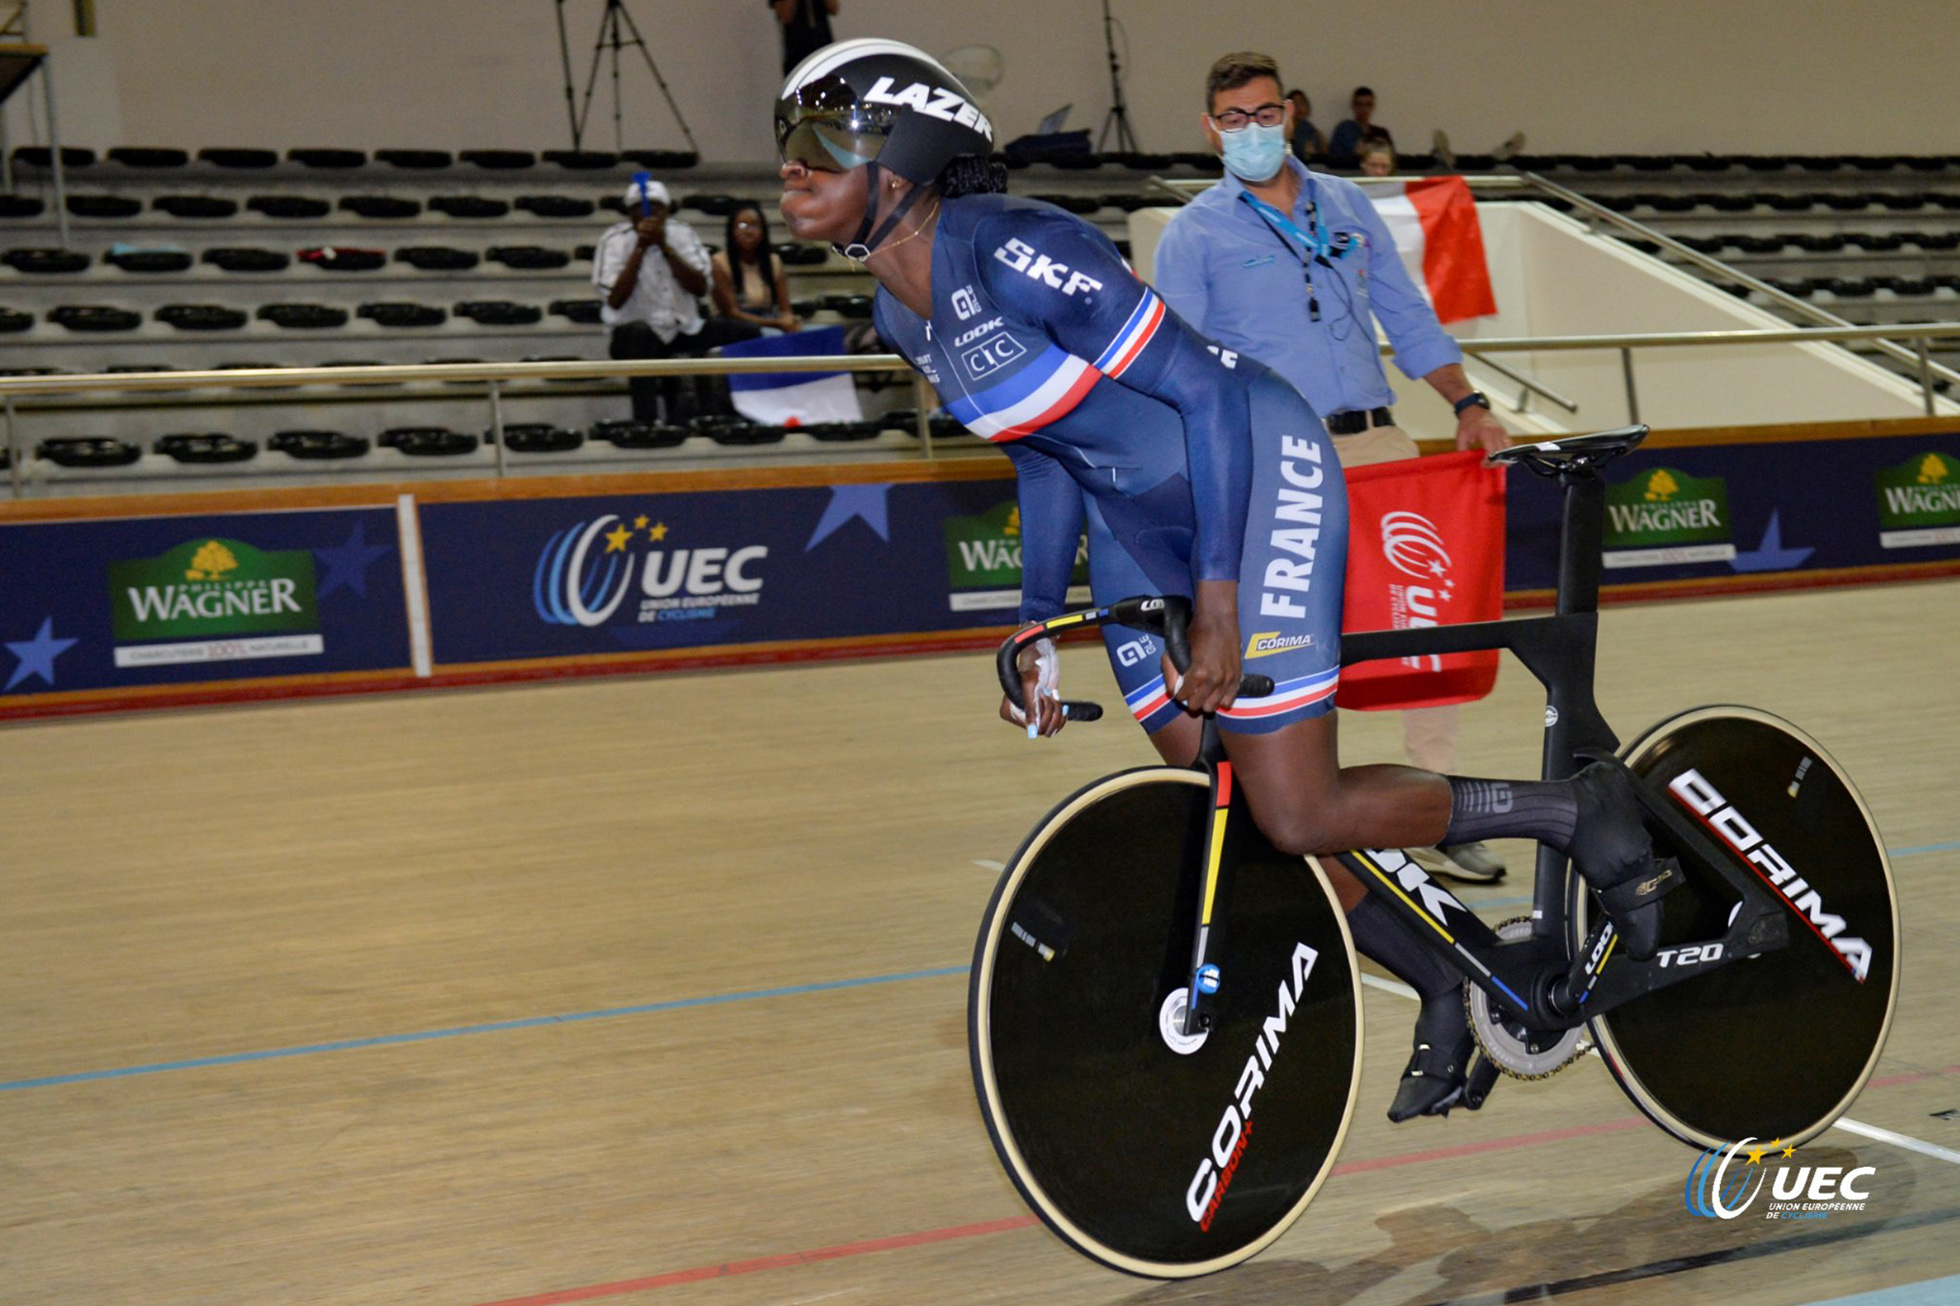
[[1425, 548]]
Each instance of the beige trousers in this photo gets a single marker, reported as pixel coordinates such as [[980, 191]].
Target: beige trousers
[[1428, 733]]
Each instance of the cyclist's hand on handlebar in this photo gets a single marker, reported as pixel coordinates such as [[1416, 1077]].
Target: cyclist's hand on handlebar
[[1212, 680], [1040, 670]]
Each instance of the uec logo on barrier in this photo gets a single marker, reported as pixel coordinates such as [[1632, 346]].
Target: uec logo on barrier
[[579, 582], [1800, 1191]]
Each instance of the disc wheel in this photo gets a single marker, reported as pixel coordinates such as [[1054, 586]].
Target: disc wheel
[[1152, 1151], [1776, 1045]]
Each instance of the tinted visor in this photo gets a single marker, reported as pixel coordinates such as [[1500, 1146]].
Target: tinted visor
[[824, 127]]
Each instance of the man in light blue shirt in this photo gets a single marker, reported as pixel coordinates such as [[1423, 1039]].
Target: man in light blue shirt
[[1294, 268]]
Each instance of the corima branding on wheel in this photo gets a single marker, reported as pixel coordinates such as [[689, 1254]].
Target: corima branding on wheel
[[1704, 800], [1233, 1133], [586, 571]]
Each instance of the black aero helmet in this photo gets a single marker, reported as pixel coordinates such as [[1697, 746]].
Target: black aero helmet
[[878, 104]]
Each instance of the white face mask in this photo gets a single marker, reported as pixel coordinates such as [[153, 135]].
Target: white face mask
[[1254, 153]]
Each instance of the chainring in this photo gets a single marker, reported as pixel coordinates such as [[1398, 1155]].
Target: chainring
[[1518, 1050]]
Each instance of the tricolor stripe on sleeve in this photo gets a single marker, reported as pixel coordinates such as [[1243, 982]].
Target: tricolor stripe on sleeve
[[1136, 333], [1044, 391], [1286, 696]]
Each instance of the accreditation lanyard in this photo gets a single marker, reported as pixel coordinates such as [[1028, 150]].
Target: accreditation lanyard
[[1315, 241]]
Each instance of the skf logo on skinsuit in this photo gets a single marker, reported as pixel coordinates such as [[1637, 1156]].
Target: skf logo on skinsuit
[[585, 572], [1705, 801], [1021, 256], [932, 101], [1800, 1192], [965, 303], [1234, 1132], [1414, 547], [1271, 644]]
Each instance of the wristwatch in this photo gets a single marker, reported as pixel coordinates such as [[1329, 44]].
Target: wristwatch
[[1476, 398]]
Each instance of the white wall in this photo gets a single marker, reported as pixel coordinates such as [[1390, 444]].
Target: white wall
[[1870, 76]]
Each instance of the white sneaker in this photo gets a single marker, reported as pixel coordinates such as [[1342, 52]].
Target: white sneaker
[[1466, 863]]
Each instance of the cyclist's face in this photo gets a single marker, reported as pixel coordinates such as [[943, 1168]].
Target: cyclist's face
[[819, 204]]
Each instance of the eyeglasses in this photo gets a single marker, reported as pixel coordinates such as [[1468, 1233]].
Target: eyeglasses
[[750, 224], [1266, 115]]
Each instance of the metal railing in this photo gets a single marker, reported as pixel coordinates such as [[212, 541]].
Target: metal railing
[[495, 376]]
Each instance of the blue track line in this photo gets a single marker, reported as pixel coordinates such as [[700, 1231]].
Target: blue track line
[[493, 1027], [1930, 1292]]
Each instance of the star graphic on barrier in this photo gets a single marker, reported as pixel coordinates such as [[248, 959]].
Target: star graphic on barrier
[[616, 539], [347, 563], [657, 532], [640, 522], [1756, 1155], [37, 655], [1789, 1151], [850, 501]]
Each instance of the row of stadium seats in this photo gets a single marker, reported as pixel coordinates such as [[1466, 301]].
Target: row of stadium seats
[[1846, 201], [168, 258], [157, 157], [207, 448], [1826, 242], [394, 315]]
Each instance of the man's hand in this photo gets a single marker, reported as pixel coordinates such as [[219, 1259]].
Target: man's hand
[[1212, 680], [1478, 428], [652, 230]]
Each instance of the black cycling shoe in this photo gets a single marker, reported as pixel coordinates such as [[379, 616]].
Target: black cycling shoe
[[1613, 853], [1448, 1068]]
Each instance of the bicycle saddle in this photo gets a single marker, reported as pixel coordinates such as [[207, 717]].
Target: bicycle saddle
[[1574, 451]]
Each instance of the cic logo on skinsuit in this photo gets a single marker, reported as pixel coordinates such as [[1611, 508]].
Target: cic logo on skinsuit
[[586, 570]]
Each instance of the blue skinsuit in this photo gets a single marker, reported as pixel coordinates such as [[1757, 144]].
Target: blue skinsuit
[[1185, 462]]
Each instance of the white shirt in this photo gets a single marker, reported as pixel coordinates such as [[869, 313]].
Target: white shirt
[[658, 298]]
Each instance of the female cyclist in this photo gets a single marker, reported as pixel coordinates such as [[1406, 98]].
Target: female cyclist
[[1195, 472]]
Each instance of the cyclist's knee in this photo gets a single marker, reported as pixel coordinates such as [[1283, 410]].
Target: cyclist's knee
[[1299, 829]]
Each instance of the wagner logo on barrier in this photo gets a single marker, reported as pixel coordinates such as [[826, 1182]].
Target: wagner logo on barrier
[[983, 561], [588, 571], [1919, 502], [215, 600], [1665, 516]]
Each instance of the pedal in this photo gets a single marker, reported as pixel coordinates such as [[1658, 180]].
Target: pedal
[[1512, 1046]]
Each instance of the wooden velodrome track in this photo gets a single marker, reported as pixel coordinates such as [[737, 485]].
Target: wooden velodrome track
[[653, 990]]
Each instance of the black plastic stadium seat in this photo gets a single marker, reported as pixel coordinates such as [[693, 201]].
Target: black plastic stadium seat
[[335, 258], [313, 158], [1726, 203], [40, 156], [21, 206], [1873, 162], [40, 262], [206, 447], [319, 446], [806, 305], [104, 206], [849, 305], [403, 315], [1696, 162], [149, 260], [422, 160], [303, 317], [1070, 203], [1945, 200], [427, 441], [537, 437], [1819, 162], [195, 206], [528, 256], [555, 206], [1757, 244], [1939, 241], [841, 432], [499, 312], [582, 160], [583, 311], [1130, 201], [1701, 244], [1644, 162], [202, 317], [1850, 287], [469, 206], [437, 258], [499, 159], [734, 431], [380, 206], [1914, 286], [1900, 203], [662, 160], [1845, 201], [1828, 242], [13, 320], [798, 255], [95, 317], [248, 260], [142, 156], [1785, 201], [289, 206], [1876, 242], [715, 206], [584, 253], [87, 451], [233, 157], [630, 433]]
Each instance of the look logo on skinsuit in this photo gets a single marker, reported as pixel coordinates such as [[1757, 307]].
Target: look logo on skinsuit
[[1722, 1188]]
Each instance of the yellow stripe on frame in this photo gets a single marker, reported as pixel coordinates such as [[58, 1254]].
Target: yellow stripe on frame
[[1396, 889], [1211, 866]]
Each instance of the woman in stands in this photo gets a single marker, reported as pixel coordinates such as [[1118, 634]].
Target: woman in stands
[[750, 285], [1196, 472]]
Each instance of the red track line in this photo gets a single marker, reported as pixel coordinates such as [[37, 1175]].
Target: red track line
[[1913, 1077], [620, 1288]]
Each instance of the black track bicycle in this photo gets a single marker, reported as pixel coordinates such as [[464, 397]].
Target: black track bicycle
[[1164, 1012]]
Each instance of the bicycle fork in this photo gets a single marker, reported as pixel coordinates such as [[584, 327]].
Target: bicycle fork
[[1220, 827]]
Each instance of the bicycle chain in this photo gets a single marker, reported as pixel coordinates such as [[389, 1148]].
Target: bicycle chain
[[1580, 1045]]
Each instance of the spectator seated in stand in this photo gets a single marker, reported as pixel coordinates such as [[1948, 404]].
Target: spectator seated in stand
[[750, 287], [1378, 159], [1344, 149], [1307, 142]]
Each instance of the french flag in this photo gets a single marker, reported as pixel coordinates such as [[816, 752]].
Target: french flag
[[1434, 223], [793, 398]]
